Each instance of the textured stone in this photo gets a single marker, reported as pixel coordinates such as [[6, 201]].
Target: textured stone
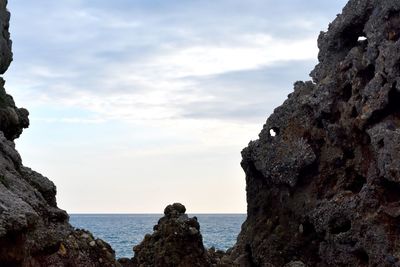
[[12, 119], [322, 190], [176, 241], [325, 189], [175, 209], [5, 41]]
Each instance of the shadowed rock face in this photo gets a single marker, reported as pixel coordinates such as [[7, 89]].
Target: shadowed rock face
[[33, 230], [325, 190], [12, 119], [176, 241]]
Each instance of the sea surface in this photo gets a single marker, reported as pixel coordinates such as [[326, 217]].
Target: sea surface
[[123, 231]]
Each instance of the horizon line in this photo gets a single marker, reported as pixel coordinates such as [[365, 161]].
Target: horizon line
[[152, 213]]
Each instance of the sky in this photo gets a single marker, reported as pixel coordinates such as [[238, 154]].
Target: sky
[[136, 104]]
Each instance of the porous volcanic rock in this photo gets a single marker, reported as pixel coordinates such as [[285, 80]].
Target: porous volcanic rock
[[176, 241], [33, 230], [12, 119], [325, 189]]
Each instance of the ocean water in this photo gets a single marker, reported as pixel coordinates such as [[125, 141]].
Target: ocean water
[[123, 231]]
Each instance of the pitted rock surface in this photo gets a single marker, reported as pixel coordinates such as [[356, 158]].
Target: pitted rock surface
[[325, 190], [176, 241]]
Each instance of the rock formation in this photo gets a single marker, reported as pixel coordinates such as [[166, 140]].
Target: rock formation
[[176, 241], [325, 189], [33, 230]]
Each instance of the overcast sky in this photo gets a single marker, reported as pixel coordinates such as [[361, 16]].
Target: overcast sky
[[136, 104]]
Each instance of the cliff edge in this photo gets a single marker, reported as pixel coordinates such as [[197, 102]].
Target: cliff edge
[[323, 179]]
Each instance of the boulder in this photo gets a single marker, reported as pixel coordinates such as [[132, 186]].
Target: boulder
[[176, 241]]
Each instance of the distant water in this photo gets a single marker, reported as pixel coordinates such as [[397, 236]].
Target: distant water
[[123, 231]]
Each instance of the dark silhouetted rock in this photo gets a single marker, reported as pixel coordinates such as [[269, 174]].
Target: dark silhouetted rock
[[5, 41], [174, 210], [176, 241], [12, 119], [325, 190]]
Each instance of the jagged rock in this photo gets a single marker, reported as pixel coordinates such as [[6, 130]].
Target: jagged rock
[[325, 190], [176, 241], [80, 248], [33, 230], [12, 119], [5, 41], [221, 258], [174, 210]]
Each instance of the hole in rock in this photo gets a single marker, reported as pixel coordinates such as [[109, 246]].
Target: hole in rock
[[393, 26], [332, 117], [339, 225], [391, 190], [357, 184], [350, 35], [348, 153], [308, 228], [327, 186], [347, 92], [354, 112], [307, 174], [368, 73], [381, 143], [362, 38], [274, 132], [394, 99], [362, 256]]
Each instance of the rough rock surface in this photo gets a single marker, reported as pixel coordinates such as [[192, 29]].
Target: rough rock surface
[[33, 230], [176, 241], [325, 190], [12, 119]]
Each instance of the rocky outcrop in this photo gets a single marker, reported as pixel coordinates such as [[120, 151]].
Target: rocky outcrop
[[33, 230], [323, 179], [322, 190], [176, 241], [12, 119]]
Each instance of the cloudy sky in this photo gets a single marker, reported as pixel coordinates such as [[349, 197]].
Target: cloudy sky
[[136, 104]]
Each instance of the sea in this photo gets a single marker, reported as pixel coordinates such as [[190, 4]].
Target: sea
[[123, 231]]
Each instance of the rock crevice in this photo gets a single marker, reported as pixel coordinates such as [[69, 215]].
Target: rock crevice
[[323, 179], [325, 189]]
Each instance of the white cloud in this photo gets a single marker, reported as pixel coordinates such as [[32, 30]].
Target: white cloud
[[155, 97], [259, 50]]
